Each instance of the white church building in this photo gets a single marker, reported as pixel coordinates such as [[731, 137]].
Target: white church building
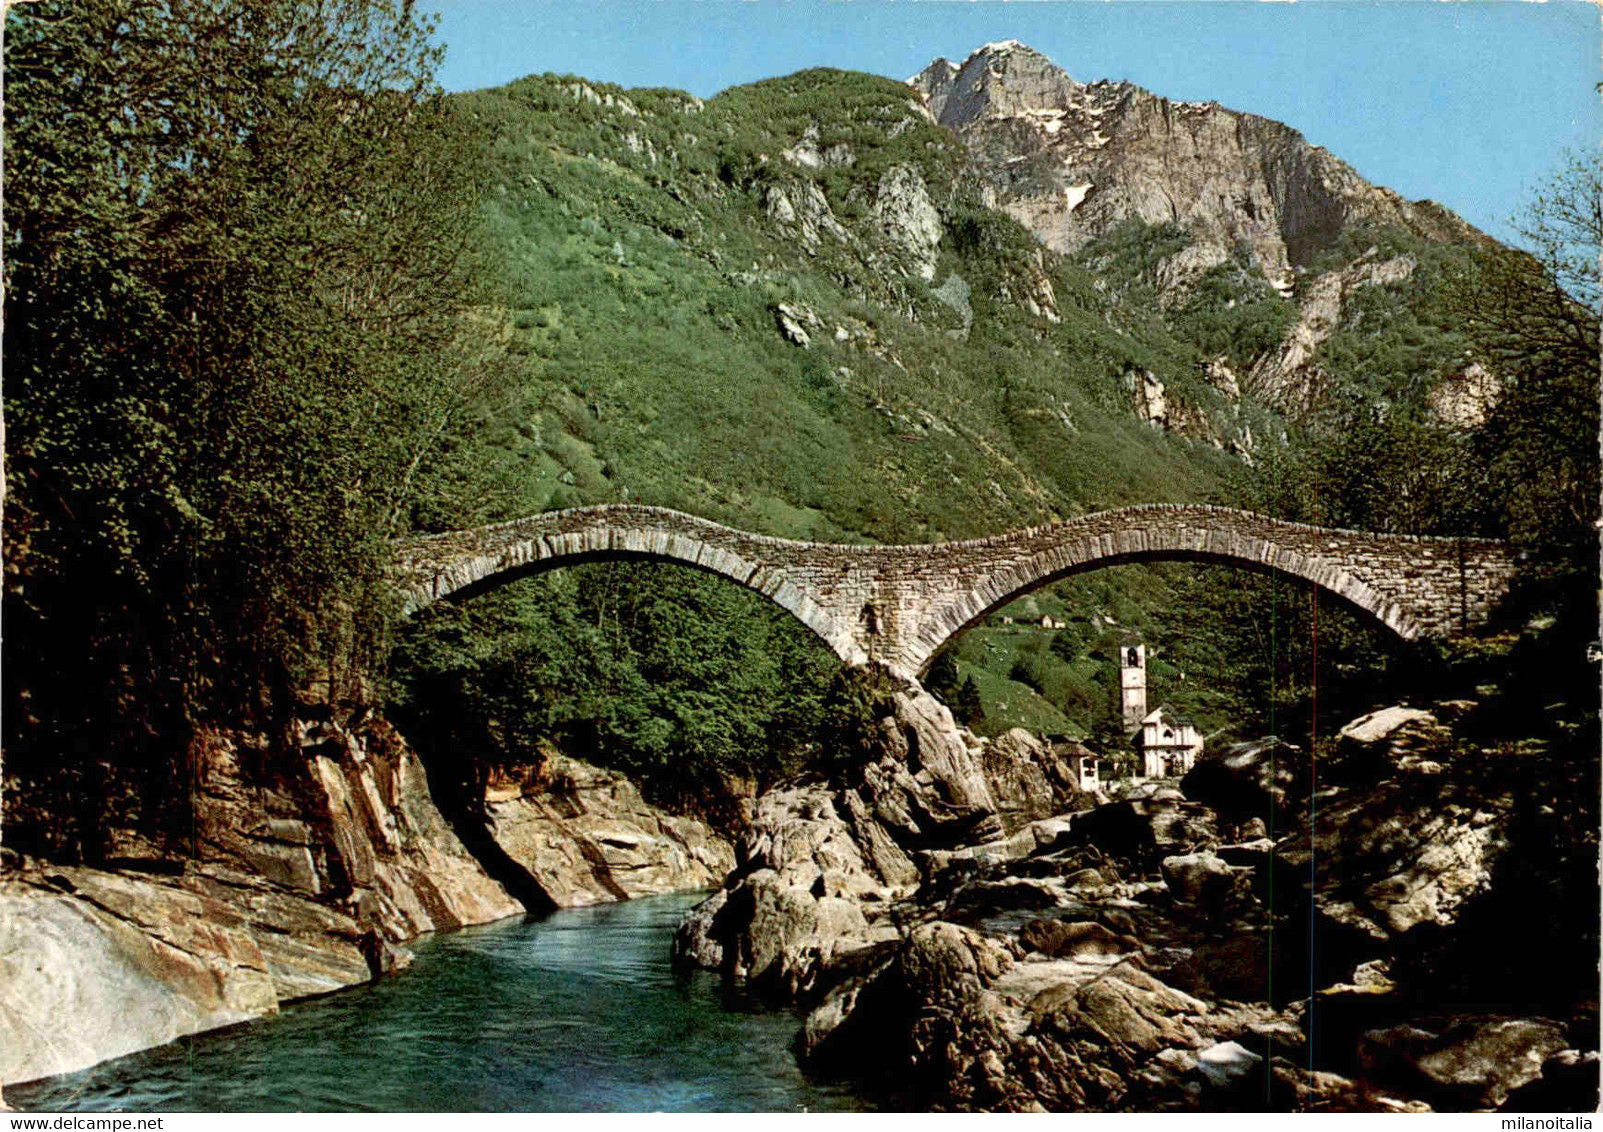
[[1168, 742]]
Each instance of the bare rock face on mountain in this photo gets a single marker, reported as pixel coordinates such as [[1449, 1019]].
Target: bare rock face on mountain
[[1289, 377], [907, 216], [1464, 400], [1071, 160], [800, 209]]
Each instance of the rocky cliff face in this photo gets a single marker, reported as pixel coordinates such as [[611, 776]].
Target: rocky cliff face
[[585, 836], [1072, 160], [300, 882]]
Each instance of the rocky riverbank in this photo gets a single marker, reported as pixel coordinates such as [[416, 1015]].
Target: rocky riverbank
[[296, 882], [303, 879], [300, 880], [1261, 937]]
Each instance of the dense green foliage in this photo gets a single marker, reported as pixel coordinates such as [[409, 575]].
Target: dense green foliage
[[242, 285], [959, 693], [1242, 653], [850, 712]]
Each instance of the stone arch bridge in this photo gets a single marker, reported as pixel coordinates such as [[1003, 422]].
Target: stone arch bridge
[[898, 605]]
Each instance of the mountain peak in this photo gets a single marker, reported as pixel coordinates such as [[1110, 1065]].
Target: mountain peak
[[1073, 160], [997, 80], [1003, 47]]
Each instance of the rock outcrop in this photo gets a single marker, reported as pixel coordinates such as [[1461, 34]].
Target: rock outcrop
[[1390, 741], [982, 1022], [1466, 1063], [907, 217], [822, 860], [1028, 780], [96, 965], [800, 208], [1401, 854], [1465, 399], [820, 914], [1130, 956], [1073, 160], [298, 881], [1254, 781], [585, 836], [1289, 377]]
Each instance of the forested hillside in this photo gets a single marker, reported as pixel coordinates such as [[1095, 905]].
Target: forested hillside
[[656, 252]]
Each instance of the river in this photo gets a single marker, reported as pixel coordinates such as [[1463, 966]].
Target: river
[[576, 1012]]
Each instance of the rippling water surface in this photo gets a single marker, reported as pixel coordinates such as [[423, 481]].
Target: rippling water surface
[[578, 1012]]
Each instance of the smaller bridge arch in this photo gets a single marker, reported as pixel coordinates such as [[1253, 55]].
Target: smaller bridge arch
[[899, 605]]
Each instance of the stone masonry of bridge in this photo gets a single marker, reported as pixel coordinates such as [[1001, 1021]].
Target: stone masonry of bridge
[[898, 605]]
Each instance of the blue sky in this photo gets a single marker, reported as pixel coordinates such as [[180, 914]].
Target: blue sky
[[1467, 103]]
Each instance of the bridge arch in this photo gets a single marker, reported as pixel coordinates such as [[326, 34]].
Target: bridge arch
[[963, 612], [439, 566]]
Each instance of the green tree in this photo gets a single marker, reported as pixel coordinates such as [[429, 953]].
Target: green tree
[[1534, 320], [679, 679], [967, 706], [243, 306], [1543, 301], [942, 680], [1393, 468], [852, 707]]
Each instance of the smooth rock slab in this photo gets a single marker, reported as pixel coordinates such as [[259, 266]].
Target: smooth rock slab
[[1198, 878], [1224, 1064], [78, 985], [1379, 725], [1473, 1061]]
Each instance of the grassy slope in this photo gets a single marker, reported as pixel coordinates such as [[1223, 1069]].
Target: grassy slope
[[643, 294]]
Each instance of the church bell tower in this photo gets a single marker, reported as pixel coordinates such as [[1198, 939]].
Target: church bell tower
[[1133, 684]]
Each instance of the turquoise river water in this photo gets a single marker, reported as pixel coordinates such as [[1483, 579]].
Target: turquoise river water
[[576, 1012]]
